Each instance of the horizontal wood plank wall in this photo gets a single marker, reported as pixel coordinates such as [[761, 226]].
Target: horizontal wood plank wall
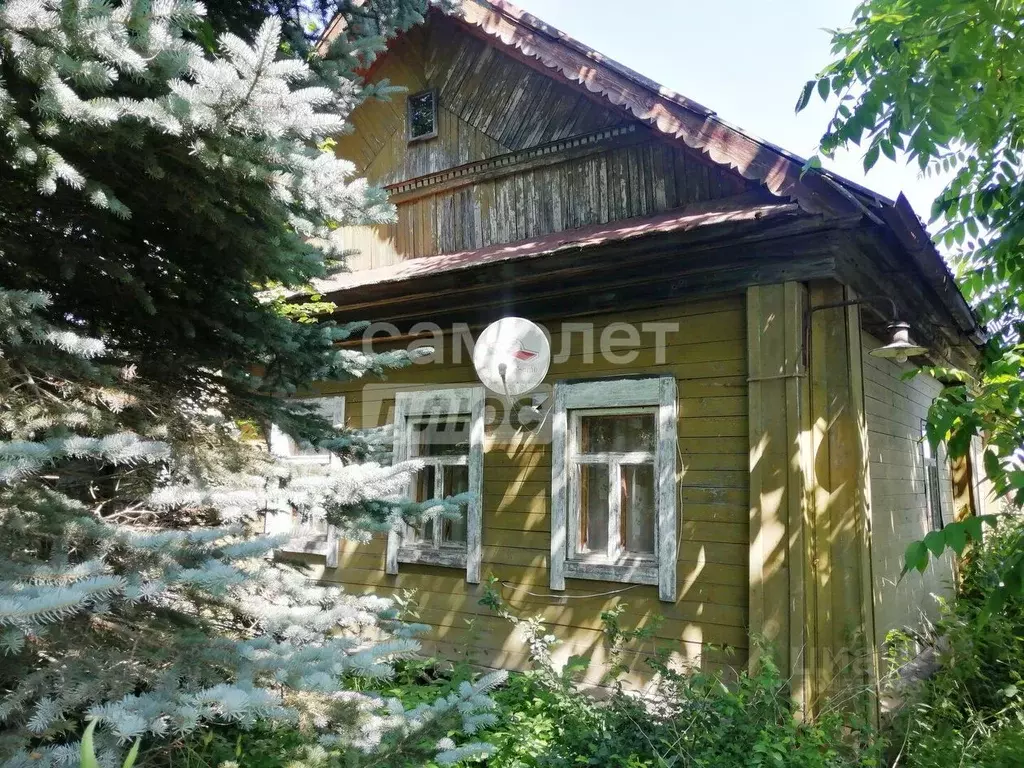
[[489, 105], [708, 358], [896, 409]]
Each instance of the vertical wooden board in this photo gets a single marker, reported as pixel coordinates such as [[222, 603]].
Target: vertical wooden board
[[634, 183], [503, 198], [844, 612], [704, 177], [600, 171], [754, 422], [800, 487], [430, 219], [844, 460], [445, 218], [559, 490], [771, 368], [862, 510], [517, 212], [403, 242], [667, 171], [646, 158], [485, 194], [417, 209], [822, 532], [545, 199], [619, 179]]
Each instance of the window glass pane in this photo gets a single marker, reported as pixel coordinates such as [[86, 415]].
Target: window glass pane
[[594, 507], [445, 436], [456, 481], [637, 508], [423, 490], [934, 497], [421, 115], [619, 433]]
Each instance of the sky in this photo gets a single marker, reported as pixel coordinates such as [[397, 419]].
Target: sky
[[747, 60]]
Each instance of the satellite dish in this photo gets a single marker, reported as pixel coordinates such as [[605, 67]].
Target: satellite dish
[[512, 356]]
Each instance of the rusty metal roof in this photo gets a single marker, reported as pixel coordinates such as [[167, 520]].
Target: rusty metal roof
[[696, 216]]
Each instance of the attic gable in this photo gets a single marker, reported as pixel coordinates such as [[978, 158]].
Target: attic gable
[[488, 104], [493, 180]]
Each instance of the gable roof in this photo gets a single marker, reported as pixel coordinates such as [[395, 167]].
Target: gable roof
[[551, 51]]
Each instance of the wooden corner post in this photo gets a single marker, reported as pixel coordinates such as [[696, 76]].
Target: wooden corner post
[[811, 588], [779, 424], [840, 591]]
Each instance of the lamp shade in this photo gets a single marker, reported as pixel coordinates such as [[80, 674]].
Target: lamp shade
[[901, 346]]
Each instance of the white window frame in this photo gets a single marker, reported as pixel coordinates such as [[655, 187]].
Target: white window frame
[[572, 400], [281, 521], [453, 401], [932, 474]]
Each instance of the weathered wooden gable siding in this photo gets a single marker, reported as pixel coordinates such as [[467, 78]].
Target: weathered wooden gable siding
[[488, 105], [492, 106], [708, 358], [896, 409]]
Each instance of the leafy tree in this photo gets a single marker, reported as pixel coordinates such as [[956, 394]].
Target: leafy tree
[[942, 81], [161, 180]]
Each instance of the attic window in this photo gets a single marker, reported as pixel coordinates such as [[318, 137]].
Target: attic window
[[422, 115]]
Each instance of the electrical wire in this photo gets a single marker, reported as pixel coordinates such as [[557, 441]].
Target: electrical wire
[[557, 596]]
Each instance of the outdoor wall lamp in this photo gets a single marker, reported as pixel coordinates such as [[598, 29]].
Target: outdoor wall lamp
[[901, 346]]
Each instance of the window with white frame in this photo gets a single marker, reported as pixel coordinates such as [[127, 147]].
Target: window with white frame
[[307, 536], [443, 430], [932, 482], [613, 475], [286, 447]]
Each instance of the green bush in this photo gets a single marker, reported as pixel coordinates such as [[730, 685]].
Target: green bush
[[692, 720], [971, 711], [702, 722]]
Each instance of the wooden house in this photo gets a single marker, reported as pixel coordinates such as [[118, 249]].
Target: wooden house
[[716, 441]]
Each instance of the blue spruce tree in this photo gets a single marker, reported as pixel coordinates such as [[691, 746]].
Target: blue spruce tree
[[162, 188]]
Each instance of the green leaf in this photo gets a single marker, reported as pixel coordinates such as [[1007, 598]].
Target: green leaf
[[87, 755], [887, 149], [132, 755], [871, 157], [805, 96], [823, 88], [972, 526], [936, 543], [915, 557], [813, 163], [956, 537]]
